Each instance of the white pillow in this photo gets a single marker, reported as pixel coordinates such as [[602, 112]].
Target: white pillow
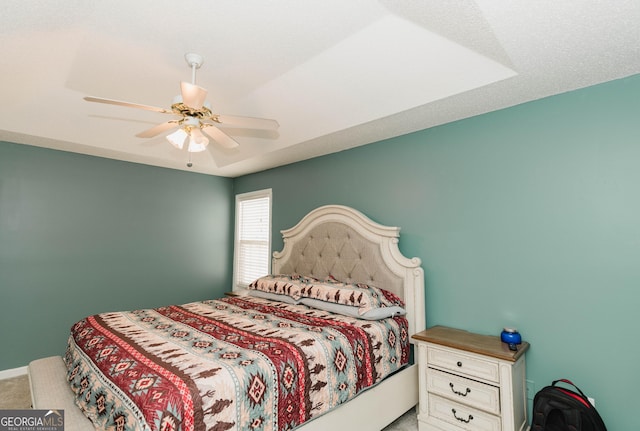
[[351, 311]]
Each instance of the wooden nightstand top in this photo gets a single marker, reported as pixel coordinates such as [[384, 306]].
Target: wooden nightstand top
[[488, 345]]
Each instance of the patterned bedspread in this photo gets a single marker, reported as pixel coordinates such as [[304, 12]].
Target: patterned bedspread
[[239, 363]]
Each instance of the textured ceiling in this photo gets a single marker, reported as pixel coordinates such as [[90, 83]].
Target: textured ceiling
[[334, 74]]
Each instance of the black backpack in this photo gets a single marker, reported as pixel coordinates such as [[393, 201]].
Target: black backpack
[[561, 409]]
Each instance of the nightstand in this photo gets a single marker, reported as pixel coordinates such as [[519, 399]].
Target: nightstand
[[469, 381]]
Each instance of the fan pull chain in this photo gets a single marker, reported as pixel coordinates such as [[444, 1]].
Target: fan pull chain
[[189, 164]]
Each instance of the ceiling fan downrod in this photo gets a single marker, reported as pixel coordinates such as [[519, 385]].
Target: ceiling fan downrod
[[194, 61]]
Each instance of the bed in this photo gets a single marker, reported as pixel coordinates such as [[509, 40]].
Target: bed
[[333, 263]]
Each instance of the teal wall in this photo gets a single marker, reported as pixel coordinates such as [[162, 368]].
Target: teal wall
[[81, 235], [526, 217]]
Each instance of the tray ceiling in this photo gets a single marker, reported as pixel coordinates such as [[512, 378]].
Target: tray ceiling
[[334, 74]]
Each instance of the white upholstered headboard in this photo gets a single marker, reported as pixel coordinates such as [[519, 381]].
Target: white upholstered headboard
[[342, 242]]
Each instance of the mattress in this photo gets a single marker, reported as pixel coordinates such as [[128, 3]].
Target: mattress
[[237, 363]]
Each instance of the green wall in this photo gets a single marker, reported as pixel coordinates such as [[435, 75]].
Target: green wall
[[81, 235], [526, 217]]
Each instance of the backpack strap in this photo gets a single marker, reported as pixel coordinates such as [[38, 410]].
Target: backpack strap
[[540, 415], [571, 418], [584, 399]]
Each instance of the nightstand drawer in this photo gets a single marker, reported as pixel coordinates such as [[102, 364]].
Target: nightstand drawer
[[460, 363], [466, 391], [464, 417]]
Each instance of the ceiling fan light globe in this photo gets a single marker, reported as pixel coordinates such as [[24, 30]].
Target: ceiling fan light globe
[[197, 141], [195, 147], [177, 138]]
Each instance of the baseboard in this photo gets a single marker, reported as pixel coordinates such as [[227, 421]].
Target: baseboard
[[14, 372]]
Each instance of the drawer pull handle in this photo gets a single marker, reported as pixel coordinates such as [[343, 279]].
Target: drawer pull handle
[[459, 364], [462, 394], [469, 419]]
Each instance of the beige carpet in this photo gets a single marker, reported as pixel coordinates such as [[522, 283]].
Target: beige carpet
[[406, 422], [15, 394]]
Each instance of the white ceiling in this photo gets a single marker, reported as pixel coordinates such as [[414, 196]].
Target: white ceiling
[[335, 74]]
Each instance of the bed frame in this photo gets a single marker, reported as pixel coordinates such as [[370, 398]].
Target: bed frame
[[331, 240], [342, 242]]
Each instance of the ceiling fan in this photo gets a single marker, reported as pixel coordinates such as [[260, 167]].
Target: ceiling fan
[[195, 116]]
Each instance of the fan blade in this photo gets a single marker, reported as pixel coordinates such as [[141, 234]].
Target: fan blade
[[219, 136], [156, 130], [192, 95], [127, 104], [246, 122]]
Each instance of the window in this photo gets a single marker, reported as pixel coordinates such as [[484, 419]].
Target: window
[[252, 237]]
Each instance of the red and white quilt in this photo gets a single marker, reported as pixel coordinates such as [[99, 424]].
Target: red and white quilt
[[239, 363]]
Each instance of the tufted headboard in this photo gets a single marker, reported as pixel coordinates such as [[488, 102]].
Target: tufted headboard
[[342, 242]]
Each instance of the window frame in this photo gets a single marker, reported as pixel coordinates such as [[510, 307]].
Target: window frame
[[239, 200]]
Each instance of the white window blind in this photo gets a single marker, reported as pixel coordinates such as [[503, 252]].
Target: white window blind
[[253, 237]]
